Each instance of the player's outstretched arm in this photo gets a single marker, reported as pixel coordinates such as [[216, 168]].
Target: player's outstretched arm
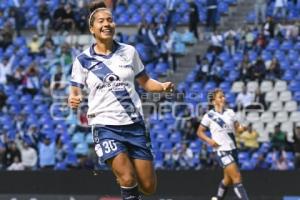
[[151, 85], [75, 97], [201, 134]]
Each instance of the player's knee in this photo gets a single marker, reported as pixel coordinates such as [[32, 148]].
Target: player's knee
[[236, 178], [127, 180], [148, 188]]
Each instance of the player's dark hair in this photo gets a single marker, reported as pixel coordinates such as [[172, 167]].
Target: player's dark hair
[[93, 6]]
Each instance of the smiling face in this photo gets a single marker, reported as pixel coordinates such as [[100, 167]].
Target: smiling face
[[102, 25]]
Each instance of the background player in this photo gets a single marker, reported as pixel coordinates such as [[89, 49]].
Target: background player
[[109, 69], [222, 124]]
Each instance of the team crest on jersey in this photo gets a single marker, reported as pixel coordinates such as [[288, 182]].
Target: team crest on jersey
[[109, 78]]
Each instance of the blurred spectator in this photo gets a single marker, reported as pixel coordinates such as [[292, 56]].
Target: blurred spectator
[[165, 48], [65, 57], [47, 153], [60, 153], [6, 35], [17, 165], [217, 72], [34, 46], [171, 6], [278, 138], [249, 139], [186, 157], [32, 84], [46, 90], [249, 39], [28, 155], [16, 19], [288, 30], [261, 162], [260, 11], [273, 69], [194, 19], [280, 162], [161, 28], [269, 27], [204, 69], [296, 145], [81, 17], [259, 102], [20, 122], [58, 82], [6, 69], [216, 43], [44, 19], [17, 77], [189, 131], [212, 12], [58, 17], [230, 42], [48, 50], [69, 18], [244, 99], [261, 42], [280, 6], [245, 67], [10, 153], [3, 98], [258, 70]]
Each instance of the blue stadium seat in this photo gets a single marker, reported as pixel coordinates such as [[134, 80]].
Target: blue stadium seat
[[196, 146], [294, 86], [78, 138], [166, 146], [89, 138], [175, 137], [247, 165], [225, 86], [81, 149], [297, 96], [288, 75]]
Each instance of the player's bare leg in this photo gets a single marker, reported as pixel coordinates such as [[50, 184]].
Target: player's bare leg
[[124, 171], [234, 173], [146, 176]]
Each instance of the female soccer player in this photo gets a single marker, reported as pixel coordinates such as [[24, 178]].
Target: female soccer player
[[222, 124], [109, 69]]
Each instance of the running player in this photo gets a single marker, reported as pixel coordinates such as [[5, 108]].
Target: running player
[[109, 69], [222, 124]]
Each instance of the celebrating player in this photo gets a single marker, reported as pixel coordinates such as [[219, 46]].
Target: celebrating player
[[109, 69], [222, 124]]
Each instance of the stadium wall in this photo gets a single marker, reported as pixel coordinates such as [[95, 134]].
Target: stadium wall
[[261, 185]]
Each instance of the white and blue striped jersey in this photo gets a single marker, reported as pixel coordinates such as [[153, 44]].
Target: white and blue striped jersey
[[221, 126], [112, 98]]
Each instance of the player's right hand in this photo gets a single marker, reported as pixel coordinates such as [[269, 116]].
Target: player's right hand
[[213, 143], [74, 101]]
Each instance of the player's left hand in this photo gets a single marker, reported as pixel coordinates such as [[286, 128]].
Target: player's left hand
[[168, 87]]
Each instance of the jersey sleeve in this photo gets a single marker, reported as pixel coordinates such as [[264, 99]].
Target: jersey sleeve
[[138, 66], [205, 121], [79, 74]]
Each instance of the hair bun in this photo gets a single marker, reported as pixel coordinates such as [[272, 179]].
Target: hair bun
[[96, 4]]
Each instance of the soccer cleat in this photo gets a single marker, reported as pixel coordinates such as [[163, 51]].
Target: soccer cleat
[[214, 198]]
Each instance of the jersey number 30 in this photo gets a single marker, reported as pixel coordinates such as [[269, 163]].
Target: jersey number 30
[[109, 146]]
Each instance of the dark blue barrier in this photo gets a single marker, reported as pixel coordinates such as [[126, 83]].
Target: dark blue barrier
[[264, 185]]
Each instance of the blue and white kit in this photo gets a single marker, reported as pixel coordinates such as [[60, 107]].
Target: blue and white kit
[[221, 126], [115, 109]]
